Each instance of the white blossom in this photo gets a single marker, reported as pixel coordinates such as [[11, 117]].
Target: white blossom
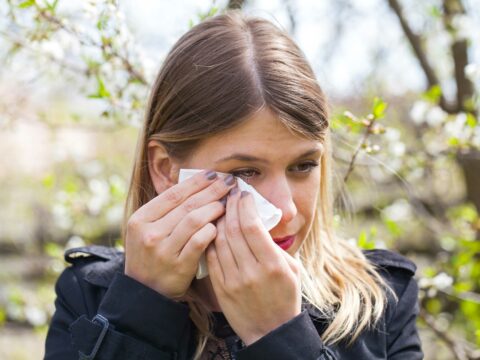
[[400, 210], [35, 316], [476, 137], [464, 26], [472, 71], [100, 195], [419, 111], [74, 241], [442, 281], [456, 127], [436, 116], [61, 216], [392, 134], [397, 148], [114, 214]]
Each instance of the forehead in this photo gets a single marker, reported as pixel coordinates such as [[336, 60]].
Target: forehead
[[263, 132]]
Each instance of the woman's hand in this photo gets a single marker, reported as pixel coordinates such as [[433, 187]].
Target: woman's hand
[[257, 284], [166, 236]]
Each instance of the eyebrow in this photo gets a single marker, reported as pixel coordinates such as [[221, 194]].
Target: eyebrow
[[246, 157]]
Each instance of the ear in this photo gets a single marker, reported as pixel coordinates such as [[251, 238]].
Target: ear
[[163, 171]]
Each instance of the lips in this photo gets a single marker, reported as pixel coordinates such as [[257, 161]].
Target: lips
[[277, 240], [285, 242]]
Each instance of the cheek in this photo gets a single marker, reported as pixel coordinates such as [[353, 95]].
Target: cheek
[[307, 198]]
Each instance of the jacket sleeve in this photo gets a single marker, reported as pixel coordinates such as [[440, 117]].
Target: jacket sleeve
[[133, 322], [403, 341], [296, 336]]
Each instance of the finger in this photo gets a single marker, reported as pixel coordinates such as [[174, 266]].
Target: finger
[[191, 224], [224, 253], [174, 196], [214, 268], [235, 238], [211, 193], [197, 244], [255, 234], [292, 262]]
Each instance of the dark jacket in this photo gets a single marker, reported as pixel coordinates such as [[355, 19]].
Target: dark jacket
[[103, 314]]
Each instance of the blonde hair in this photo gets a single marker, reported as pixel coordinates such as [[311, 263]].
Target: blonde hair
[[218, 74]]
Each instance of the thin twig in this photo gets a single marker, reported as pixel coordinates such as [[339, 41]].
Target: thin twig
[[416, 43], [458, 351], [359, 147]]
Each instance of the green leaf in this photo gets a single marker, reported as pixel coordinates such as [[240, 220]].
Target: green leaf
[[26, 4], [102, 91], [379, 107], [433, 94], [460, 287], [393, 228], [364, 242], [453, 141], [434, 306], [102, 22], [53, 250], [3, 316], [435, 12], [52, 6], [48, 181], [429, 272], [471, 121]]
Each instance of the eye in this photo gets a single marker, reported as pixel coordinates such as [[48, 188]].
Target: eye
[[307, 166], [244, 174]]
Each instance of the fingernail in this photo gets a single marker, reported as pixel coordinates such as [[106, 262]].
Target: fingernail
[[233, 191], [223, 201], [244, 193], [229, 180], [211, 175]]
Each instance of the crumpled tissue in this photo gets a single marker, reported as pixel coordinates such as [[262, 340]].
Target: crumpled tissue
[[269, 214]]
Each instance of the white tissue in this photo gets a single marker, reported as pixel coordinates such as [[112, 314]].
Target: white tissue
[[269, 214]]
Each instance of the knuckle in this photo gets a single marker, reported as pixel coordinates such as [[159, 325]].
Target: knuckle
[[198, 242], [218, 188], [194, 221], [173, 195], [249, 280], [190, 205], [149, 239], [161, 255], [133, 223], [234, 229], [198, 181], [251, 228], [220, 240], [273, 270], [211, 229], [234, 287]]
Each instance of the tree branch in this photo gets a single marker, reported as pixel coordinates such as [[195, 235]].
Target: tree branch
[[291, 16], [457, 351], [459, 48], [235, 4], [416, 43]]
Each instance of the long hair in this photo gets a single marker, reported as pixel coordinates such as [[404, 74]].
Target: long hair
[[217, 75]]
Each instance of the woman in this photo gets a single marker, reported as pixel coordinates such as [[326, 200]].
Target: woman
[[234, 95]]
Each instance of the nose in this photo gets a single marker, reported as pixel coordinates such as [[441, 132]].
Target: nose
[[279, 192]]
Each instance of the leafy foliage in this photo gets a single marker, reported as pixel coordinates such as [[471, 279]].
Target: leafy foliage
[[400, 162]]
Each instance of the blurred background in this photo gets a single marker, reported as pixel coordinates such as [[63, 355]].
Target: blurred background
[[403, 80]]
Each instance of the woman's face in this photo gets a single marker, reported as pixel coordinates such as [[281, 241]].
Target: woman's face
[[284, 168]]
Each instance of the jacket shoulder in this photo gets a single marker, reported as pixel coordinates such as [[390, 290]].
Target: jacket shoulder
[[96, 264], [398, 272], [390, 261], [92, 252]]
